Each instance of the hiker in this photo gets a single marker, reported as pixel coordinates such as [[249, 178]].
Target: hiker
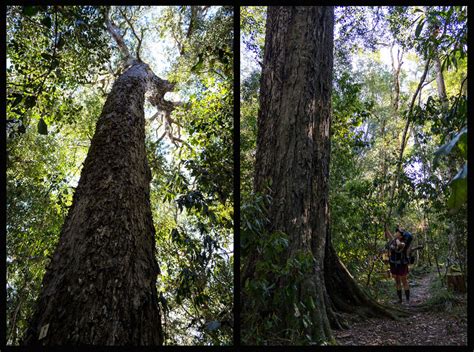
[[398, 245]]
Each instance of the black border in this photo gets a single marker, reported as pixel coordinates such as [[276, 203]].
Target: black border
[[3, 182], [236, 175]]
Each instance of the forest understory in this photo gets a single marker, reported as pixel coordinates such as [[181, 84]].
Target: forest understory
[[432, 321]]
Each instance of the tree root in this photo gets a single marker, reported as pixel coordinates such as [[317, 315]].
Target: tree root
[[348, 297]]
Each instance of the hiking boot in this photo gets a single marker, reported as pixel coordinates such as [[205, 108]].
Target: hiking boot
[[399, 293]]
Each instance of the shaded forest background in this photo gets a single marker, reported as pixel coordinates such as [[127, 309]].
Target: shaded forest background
[[398, 154]]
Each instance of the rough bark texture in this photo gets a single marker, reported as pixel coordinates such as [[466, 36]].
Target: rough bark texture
[[293, 138], [292, 160], [100, 287]]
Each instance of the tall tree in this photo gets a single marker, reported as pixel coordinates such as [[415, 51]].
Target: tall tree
[[292, 167], [440, 85], [100, 286]]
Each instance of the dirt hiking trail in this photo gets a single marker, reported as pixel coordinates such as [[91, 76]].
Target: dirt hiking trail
[[434, 325]]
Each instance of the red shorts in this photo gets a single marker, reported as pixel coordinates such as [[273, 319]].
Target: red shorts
[[399, 269]]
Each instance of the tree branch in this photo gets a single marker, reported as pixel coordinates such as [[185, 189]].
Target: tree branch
[[139, 39], [169, 131], [115, 33], [159, 86]]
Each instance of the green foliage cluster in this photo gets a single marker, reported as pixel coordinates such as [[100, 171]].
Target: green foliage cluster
[[252, 28], [51, 51], [41, 173], [442, 31], [261, 297], [442, 299], [205, 47], [248, 129], [192, 195]]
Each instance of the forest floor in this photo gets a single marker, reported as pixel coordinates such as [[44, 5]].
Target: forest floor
[[433, 320]]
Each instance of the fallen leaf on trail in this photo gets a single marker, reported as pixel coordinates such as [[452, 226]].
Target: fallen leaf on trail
[[343, 336]]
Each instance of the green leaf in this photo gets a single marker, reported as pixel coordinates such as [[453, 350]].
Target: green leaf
[[213, 325], [198, 65], [445, 64], [458, 186], [419, 27], [46, 21], [30, 101], [454, 62], [446, 148], [42, 127], [296, 310], [462, 144], [30, 10], [311, 303]]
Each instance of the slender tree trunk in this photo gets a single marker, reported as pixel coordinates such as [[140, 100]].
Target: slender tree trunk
[[383, 157], [395, 102], [13, 328], [395, 97], [100, 287], [292, 160], [404, 141], [433, 29], [440, 83]]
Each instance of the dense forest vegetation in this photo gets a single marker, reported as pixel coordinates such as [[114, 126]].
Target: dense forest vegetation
[[62, 65], [398, 157]]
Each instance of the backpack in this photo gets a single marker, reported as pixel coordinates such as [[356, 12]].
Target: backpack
[[408, 238], [405, 255]]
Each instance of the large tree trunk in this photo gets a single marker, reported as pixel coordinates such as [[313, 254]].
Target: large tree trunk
[[293, 140], [292, 160], [100, 287]]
